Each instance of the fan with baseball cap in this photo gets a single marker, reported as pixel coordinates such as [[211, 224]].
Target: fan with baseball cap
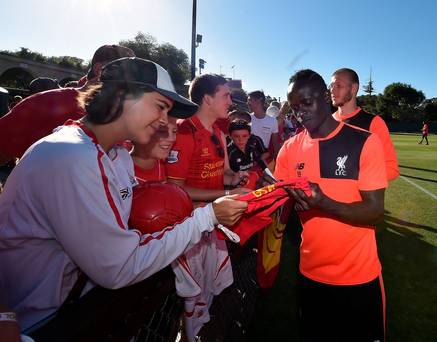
[[136, 72]]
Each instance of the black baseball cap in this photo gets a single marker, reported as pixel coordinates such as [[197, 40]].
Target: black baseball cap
[[141, 73]]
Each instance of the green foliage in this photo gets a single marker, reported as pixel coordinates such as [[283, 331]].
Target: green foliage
[[368, 103], [143, 45], [168, 56], [69, 62], [63, 61], [430, 110], [400, 101], [175, 61], [28, 54]]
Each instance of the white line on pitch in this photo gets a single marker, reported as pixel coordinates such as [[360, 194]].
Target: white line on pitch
[[419, 187]]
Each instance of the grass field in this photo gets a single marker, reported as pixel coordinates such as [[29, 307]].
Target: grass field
[[407, 245]]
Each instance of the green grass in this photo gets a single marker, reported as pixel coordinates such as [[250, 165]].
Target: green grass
[[407, 245]]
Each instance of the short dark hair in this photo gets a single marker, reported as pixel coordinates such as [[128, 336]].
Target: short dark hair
[[351, 73], [259, 95], [104, 102], [109, 53], [239, 124], [310, 76], [40, 84], [204, 85], [240, 115]]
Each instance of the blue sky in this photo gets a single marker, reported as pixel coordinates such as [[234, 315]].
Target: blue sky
[[266, 40]]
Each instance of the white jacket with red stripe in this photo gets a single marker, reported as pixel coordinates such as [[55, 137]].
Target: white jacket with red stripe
[[66, 206]]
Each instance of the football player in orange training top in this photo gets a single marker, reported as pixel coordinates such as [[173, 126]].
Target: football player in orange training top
[[341, 295], [344, 88]]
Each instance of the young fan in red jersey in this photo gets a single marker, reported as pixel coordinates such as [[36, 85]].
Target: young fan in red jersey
[[149, 159], [340, 285], [198, 162]]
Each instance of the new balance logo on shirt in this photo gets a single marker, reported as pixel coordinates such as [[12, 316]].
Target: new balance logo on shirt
[[299, 168]]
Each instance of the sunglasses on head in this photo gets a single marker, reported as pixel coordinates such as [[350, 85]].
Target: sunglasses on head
[[218, 146]]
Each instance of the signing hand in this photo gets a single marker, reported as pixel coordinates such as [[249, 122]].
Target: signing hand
[[304, 202], [227, 210]]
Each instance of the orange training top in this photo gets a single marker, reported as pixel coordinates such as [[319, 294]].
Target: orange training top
[[344, 163], [375, 124]]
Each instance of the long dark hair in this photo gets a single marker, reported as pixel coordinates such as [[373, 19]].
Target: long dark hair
[[104, 102]]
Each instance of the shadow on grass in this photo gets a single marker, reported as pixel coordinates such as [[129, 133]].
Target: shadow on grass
[[402, 224], [410, 278], [420, 178], [417, 168]]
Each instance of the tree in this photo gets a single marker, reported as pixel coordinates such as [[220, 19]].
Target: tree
[[143, 45], [168, 56], [400, 101], [63, 61], [32, 55], [176, 62], [368, 87], [429, 110], [368, 103], [69, 62]]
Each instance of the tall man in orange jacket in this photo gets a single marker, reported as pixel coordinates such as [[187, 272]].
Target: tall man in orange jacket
[[340, 285], [344, 88]]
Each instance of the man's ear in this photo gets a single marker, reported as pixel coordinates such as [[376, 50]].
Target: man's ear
[[355, 88], [207, 100]]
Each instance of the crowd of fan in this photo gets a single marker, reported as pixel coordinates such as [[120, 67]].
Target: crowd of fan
[[73, 158]]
